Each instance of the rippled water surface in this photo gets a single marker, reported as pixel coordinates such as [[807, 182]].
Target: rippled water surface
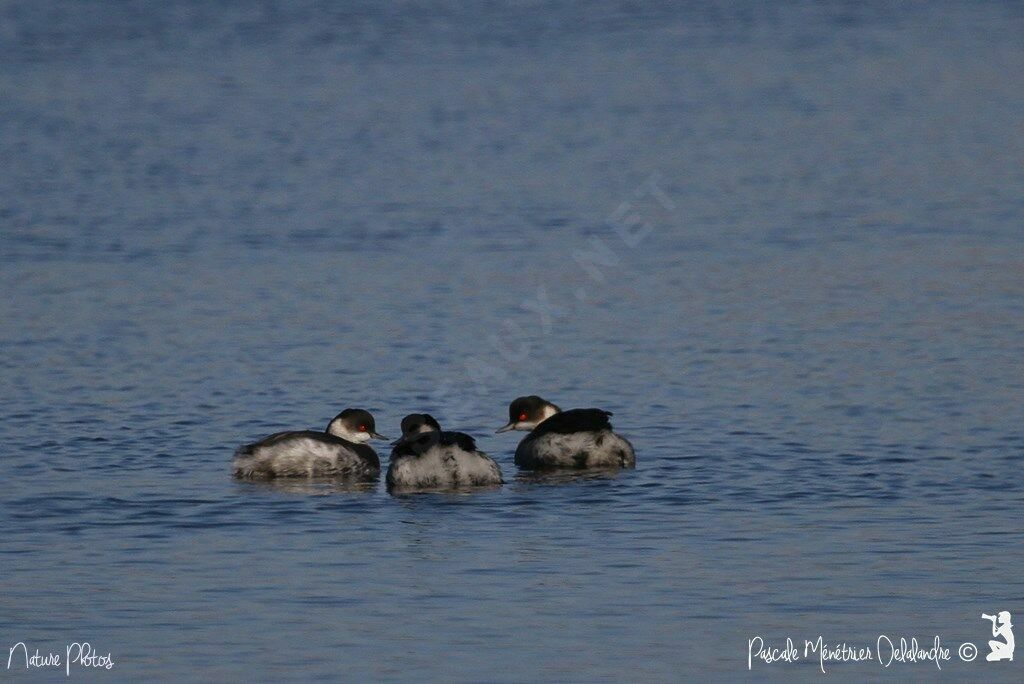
[[219, 220]]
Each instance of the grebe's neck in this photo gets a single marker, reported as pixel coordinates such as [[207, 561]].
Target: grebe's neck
[[548, 411]]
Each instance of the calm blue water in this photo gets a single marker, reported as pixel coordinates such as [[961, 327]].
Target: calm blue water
[[219, 220]]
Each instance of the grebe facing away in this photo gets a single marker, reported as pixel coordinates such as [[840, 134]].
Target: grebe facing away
[[577, 438], [337, 452], [428, 458]]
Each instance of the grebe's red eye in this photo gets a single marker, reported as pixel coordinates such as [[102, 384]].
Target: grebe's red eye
[[522, 416], [362, 428]]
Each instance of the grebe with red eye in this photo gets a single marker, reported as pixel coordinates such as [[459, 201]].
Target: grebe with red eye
[[339, 451], [427, 457], [577, 438]]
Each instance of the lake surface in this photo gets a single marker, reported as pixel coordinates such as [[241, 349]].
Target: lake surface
[[783, 245]]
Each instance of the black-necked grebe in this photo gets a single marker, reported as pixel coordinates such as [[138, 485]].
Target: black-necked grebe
[[339, 451], [428, 458], [577, 438]]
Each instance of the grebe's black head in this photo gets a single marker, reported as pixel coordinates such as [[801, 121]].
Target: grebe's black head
[[415, 423], [526, 413], [419, 432], [355, 425]]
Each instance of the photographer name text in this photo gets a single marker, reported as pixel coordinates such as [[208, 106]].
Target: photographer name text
[[886, 652]]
